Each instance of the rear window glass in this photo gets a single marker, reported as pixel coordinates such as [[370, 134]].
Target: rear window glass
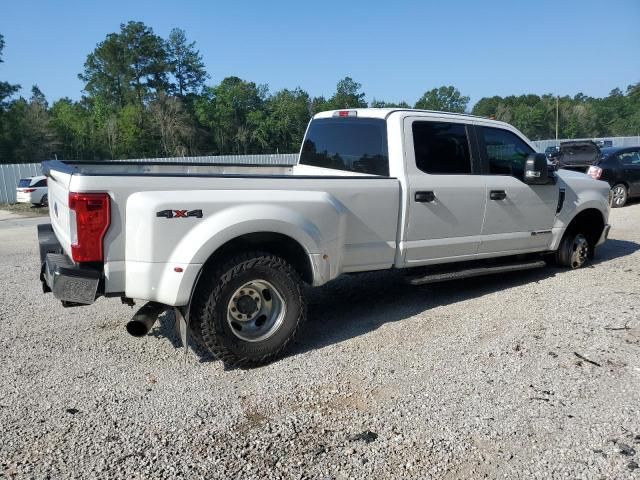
[[24, 182], [441, 148], [355, 145]]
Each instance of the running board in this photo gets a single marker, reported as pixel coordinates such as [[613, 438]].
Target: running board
[[473, 272]]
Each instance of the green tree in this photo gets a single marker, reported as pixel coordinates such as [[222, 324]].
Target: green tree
[[225, 109], [319, 104], [382, 104], [6, 89], [287, 119], [444, 99], [348, 95], [7, 128], [487, 106], [171, 125], [35, 139], [185, 62], [127, 66], [71, 123]]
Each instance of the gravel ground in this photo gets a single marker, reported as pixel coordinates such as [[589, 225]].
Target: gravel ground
[[24, 209], [528, 375]]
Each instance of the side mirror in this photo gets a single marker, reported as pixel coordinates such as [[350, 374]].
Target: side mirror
[[536, 170]]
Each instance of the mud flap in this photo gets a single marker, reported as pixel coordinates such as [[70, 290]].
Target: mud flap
[[182, 327]]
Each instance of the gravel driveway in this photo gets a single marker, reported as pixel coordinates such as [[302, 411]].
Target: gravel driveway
[[527, 375]]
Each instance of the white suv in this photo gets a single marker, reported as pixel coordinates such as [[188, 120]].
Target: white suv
[[33, 190]]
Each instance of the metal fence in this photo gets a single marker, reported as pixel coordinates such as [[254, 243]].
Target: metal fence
[[541, 145], [10, 174]]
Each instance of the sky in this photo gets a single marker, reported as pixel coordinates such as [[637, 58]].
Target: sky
[[396, 49]]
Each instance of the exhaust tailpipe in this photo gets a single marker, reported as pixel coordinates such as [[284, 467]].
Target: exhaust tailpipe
[[144, 319]]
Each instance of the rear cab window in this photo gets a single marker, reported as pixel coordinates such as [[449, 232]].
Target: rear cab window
[[349, 144]]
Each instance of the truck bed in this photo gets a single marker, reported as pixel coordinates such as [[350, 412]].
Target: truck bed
[[180, 169], [355, 215]]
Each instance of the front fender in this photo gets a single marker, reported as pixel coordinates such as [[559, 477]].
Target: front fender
[[581, 193]]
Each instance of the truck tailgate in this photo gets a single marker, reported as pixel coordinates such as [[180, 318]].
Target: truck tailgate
[[59, 212]]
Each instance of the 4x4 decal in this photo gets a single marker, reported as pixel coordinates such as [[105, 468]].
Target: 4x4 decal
[[179, 213]]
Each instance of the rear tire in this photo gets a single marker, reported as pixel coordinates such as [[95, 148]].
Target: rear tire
[[620, 195], [248, 311], [574, 250], [44, 201]]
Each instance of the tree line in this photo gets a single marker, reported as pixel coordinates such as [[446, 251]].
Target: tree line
[[146, 96]]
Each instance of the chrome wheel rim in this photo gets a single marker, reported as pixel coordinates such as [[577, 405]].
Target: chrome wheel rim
[[619, 195], [579, 251], [255, 311]]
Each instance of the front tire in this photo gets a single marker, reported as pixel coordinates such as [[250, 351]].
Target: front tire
[[248, 311], [619, 193], [574, 250]]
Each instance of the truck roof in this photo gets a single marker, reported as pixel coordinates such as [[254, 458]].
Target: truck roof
[[383, 113]]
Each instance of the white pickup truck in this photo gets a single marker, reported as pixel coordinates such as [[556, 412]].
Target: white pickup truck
[[441, 195]]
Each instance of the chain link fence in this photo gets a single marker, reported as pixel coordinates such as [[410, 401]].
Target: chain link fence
[[541, 145]]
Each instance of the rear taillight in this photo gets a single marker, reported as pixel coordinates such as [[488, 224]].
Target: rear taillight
[[90, 218], [28, 190], [594, 172]]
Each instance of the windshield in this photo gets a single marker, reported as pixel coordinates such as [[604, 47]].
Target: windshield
[[351, 144]]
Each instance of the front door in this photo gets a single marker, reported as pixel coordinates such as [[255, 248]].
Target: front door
[[519, 217], [446, 195]]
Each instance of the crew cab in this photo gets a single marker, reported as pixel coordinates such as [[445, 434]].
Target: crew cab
[[229, 247]]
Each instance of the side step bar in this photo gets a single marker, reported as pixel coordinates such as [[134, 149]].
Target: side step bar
[[473, 272]]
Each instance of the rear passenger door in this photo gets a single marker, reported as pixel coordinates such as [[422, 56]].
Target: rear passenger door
[[518, 217], [446, 195]]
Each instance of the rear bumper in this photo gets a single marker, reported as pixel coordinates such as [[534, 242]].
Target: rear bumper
[[71, 283], [605, 235], [23, 197]]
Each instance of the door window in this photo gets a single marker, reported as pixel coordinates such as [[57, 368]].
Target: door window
[[506, 152], [441, 148], [41, 183], [630, 158]]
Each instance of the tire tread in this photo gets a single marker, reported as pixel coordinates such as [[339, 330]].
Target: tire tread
[[206, 301]]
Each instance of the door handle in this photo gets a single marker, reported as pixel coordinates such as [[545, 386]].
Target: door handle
[[425, 197], [498, 195]]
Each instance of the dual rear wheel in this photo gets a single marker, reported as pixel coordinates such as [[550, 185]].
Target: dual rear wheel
[[248, 310]]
